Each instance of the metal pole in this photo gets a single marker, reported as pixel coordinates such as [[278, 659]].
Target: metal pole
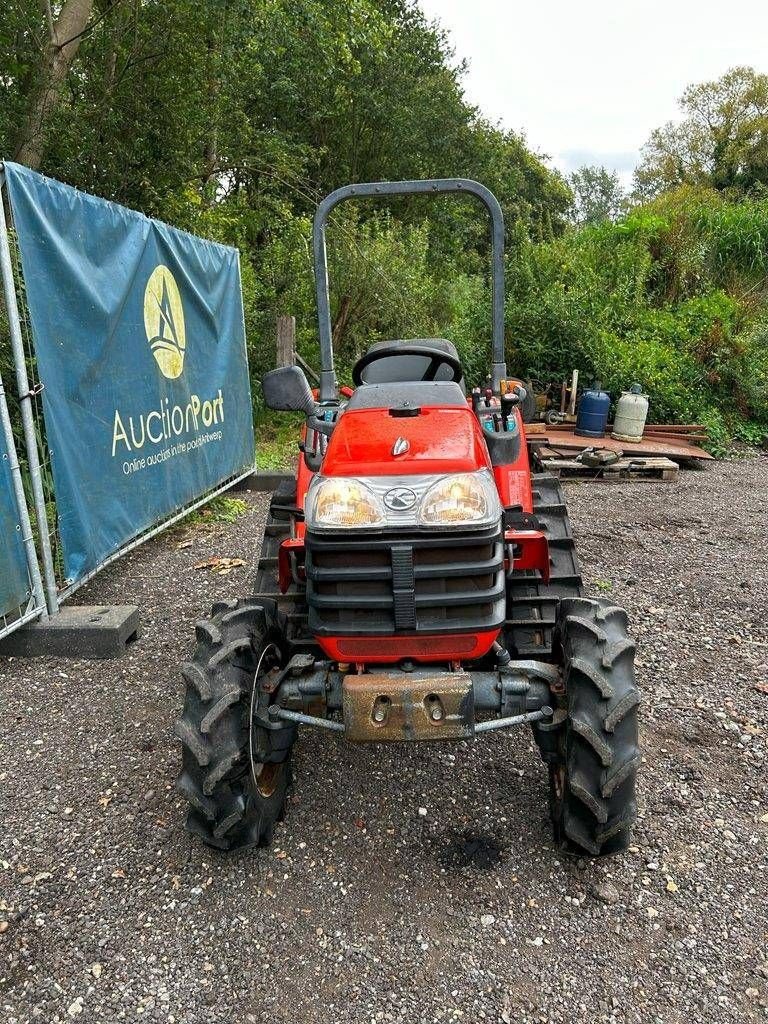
[[299, 718], [21, 504], [27, 418], [505, 723]]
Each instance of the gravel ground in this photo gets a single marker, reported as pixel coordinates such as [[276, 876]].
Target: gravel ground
[[407, 884]]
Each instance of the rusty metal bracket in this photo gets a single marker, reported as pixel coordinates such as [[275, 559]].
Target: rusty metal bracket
[[428, 704], [382, 707]]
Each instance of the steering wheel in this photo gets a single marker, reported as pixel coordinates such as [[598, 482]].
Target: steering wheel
[[436, 359]]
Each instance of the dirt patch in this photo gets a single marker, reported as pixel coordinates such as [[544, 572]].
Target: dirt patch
[[470, 850], [381, 899]]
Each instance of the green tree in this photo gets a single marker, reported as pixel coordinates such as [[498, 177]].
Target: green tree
[[721, 142], [231, 118], [597, 195]]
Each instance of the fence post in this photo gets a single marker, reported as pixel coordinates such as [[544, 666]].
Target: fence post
[[286, 341], [25, 399], [27, 537]]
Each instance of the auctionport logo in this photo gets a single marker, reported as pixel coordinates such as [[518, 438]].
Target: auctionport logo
[[168, 429], [164, 322]]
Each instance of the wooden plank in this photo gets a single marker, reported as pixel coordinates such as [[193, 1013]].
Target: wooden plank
[[677, 428], [624, 469], [680, 432], [676, 436]]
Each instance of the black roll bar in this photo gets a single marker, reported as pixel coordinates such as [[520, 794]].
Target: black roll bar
[[435, 186]]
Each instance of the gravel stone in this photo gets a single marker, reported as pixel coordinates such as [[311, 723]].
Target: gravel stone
[[365, 910], [605, 891]]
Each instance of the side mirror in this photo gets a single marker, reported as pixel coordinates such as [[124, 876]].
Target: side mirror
[[287, 390]]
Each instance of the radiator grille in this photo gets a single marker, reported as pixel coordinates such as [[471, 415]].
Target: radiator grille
[[417, 582]]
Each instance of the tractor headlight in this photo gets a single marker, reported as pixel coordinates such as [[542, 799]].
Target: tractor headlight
[[338, 502], [463, 499]]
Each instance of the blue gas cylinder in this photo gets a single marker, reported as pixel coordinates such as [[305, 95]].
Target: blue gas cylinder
[[592, 417]]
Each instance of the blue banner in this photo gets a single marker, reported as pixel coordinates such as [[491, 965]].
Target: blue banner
[[139, 336], [14, 579]]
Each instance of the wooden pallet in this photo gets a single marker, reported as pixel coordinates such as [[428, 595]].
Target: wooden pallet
[[624, 469]]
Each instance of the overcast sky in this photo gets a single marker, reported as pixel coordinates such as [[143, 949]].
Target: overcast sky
[[587, 81]]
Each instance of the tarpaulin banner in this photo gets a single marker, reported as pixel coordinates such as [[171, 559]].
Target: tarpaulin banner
[[14, 578], [139, 337]]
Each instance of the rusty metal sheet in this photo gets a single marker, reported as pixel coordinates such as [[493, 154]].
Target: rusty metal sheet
[[564, 438], [394, 706]]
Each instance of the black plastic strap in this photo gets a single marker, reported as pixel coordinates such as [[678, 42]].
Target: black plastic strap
[[403, 586]]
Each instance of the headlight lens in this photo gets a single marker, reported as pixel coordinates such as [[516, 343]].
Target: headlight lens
[[460, 499], [337, 502]]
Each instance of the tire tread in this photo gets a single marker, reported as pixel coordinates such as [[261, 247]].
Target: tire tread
[[600, 752], [225, 809]]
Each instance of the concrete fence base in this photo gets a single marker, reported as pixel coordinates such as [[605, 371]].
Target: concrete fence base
[[78, 631]]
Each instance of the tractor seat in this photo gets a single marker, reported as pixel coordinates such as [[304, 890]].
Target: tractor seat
[[411, 393], [386, 363]]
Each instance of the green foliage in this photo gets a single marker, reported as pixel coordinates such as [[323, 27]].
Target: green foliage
[[222, 509], [276, 440], [597, 195], [721, 143], [672, 296], [232, 119]]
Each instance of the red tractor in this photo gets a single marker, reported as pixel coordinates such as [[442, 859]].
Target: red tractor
[[417, 582]]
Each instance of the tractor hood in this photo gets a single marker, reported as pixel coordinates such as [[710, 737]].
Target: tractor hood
[[376, 442]]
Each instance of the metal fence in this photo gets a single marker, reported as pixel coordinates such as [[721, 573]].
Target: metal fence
[[48, 586], [28, 398], [21, 589]]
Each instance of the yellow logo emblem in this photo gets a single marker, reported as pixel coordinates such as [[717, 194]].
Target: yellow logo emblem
[[164, 322]]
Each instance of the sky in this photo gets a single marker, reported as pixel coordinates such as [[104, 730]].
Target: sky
[[586, 82]]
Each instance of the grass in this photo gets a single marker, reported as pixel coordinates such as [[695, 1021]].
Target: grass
[[223, 509], [277, 438]]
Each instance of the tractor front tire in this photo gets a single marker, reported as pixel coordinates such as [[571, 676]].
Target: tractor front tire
[[592, 784], [234, 774]]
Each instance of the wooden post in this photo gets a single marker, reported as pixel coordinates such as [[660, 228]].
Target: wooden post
[[286, 341], [574, 389]]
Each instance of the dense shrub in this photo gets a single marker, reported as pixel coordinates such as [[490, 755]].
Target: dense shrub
[[673, 296]]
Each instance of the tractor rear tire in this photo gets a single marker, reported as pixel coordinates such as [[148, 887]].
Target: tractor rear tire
[[234, 775], [592, 784]]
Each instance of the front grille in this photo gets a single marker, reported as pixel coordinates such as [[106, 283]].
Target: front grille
[[415, 582]]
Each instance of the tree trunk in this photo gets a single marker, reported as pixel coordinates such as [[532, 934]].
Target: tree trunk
[[65, 37], [342, 320]]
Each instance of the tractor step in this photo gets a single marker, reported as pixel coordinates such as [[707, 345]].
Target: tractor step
[[277, 529], [531, 602], [292, 604]]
